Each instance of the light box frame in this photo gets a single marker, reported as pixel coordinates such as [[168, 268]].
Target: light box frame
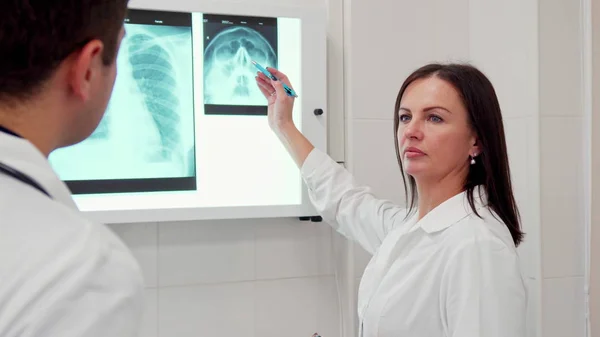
[[313, 96]]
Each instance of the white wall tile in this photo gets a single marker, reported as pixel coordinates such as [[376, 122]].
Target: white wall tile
[[518, 137], [149, 326], [286, 307], [560, 58], [452, 30], [563, 307], [291, 248], [562, 196], [361, 259], [294, 307], [206, 252], [595, 183], [224, 310], [415, 33], [142, 240], [504, 45], [336, 112], [374, 156], [355, 312], [401, 52], [533, 310], [530, 249], [328, 306]]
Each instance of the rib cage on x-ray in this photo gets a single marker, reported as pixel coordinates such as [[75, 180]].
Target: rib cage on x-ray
[[148, 129], [228, 70], [155, 77]]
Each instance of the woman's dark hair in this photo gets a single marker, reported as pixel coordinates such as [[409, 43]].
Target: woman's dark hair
[[491, 169]]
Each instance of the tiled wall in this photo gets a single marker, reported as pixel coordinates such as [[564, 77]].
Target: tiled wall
[[267, 277], [562, 168], [594, 56], [275, 277]]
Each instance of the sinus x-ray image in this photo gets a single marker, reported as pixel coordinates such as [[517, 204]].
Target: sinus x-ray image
[[145, 142], [231, 44]]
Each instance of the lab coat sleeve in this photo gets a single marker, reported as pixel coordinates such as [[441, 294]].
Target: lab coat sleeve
[[350, 208], [482, 292], [95, 290]]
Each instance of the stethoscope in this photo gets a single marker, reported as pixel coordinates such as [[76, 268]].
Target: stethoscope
[[22, 177]]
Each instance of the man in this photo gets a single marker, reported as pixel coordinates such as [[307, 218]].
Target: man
[[60, 275]]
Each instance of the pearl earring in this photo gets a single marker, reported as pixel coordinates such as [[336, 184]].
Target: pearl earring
[[472, 160]]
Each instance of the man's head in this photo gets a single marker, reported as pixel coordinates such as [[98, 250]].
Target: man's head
[[58, 57]]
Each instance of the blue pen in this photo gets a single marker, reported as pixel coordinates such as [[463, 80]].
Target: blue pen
[[287, 89]]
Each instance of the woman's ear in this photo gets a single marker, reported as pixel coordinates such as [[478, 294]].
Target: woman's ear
[[475, 148]]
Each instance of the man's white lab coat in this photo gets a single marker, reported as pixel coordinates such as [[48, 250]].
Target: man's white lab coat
[[60, 274], [450, 274]]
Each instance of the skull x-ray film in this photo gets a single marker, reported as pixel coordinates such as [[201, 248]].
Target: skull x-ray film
[[230, 45], [145, 142]]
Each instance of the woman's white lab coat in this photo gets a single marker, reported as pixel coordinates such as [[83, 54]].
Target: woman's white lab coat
[[60, 275], [450, 274]]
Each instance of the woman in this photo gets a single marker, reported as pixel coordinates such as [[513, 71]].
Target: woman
[[445, 265]]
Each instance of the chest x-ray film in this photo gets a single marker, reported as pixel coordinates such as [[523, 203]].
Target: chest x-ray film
[[145, 142], [230, 45]]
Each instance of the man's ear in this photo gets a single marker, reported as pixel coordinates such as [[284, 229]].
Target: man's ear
[[85, 65]]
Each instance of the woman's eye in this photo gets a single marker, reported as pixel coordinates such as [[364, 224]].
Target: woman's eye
[[435, 119], [404, 117]]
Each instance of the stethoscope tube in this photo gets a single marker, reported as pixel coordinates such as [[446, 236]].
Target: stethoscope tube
[[22, 177]]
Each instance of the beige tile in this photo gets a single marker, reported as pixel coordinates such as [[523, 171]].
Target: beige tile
[[328, 306], [373, 160], [562, 196], [149, 326], [297, 307], [286, 307], [563, 307], [361, 260], [534, 290], [518, 132], [560, 58], [503, 43], [206, 252], [452, 30], [209, 310], [291, 248], [413, 32], [142, 240]]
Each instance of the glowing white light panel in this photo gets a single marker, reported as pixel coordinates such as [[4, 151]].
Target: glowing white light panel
[[185, 135]]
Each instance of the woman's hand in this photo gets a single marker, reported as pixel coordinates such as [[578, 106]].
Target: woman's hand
[[280, 104], [280, 115]]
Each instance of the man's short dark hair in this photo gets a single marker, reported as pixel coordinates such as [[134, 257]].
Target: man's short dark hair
[[37, 35]]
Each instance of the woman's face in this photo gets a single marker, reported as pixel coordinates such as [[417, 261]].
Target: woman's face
[[435, 139]]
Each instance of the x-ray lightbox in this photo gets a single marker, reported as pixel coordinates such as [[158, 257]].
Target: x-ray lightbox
[[185, 135]]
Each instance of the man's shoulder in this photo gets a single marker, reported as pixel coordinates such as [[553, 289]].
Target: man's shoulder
[[59, 268], [56, 235]]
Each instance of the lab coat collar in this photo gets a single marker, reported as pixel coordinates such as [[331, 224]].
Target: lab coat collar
[[10, 132], [452, 211], [22, 155]]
